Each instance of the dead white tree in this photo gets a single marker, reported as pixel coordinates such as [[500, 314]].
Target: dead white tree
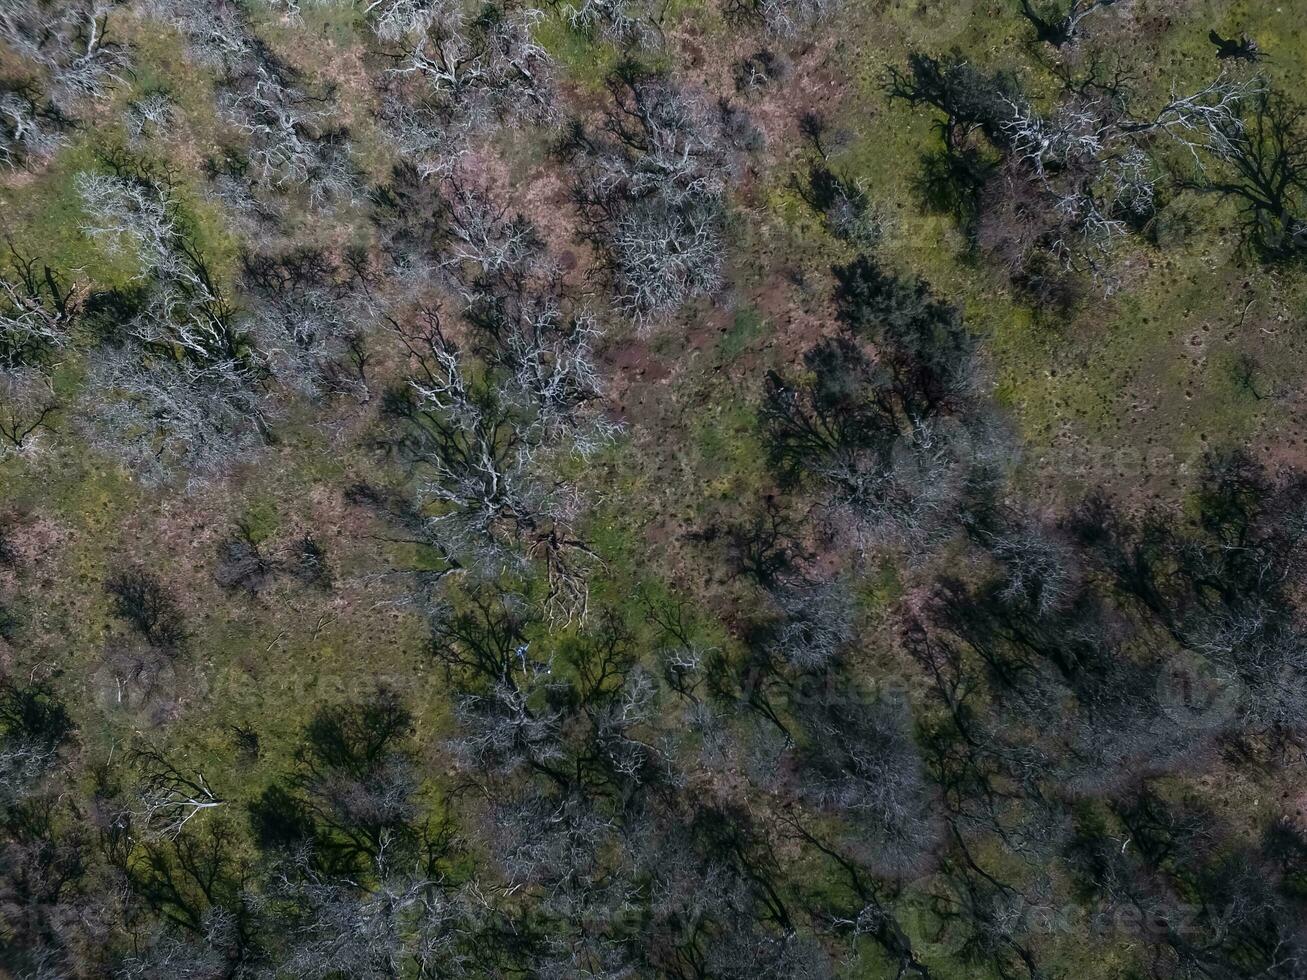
[[161, 417], [651, 192], [37, 311], [23, 762], [504, 730], [291, 139], [1091, 157], [31, 128], [620, 21], [169, 798], [400, 20], [151, 115], [184, 388], [483, 445], [307, 318], [489, 246], [92, 63], [782, 18], [69, 43], [482, 70], [817, 623], [863, 764], [423, 132], [217, 34], [139, 216], [291, 142], [1062, 25], [27, 405], [373, 925]]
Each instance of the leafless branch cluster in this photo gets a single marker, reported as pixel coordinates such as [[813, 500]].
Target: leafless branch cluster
[[453, 72], [459, 70], [630, 22], [27, 404], [66, 59], [373, 927], [38, 311], [182, 385], [68, 43], [401, 20], [151, 115], [1039, 568], [421, 133], [1062, 25], [650, 189], [1257, 157], [30, 126], [482, 447], [309, 317], [22, 764], [894, 437], [1093, 159], [862, 763], [816, 625], [503, 392], [291, 139], [782, 18], [169, 798]]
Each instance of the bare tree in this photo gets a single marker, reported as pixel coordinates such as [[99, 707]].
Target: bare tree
[[817, 623], [161, 418], [151, 115], [183, 390], [1039, 567], [37, 311], [401, 20], [182, 953], [69, 41], [783, 18], [479, 452], [93, 63], [616, 20], [291, 140], [502, 730], [651, 192], [31, 128], [486, 417], [1257, 157], [1061, 26], [378, 926], [476, 70], [27, 752], [356, 788], [423, 132], [1242, 48], [1091, 156], [217, 34], [309, 316], [27, 406], [844, 205], [894, 438], [170, 798]]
